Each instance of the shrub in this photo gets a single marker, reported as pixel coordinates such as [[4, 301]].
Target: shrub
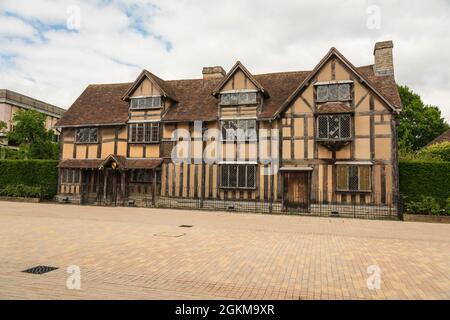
[[21, 190], [440, 151], [426, 205], [38, 173]]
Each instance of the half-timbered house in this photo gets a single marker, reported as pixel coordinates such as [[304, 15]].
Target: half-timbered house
[[332, 131]]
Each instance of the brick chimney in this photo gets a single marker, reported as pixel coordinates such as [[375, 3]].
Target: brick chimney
[[213, 72], [384, 64]]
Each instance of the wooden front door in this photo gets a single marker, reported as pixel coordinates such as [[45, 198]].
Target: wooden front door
[[297, 190]]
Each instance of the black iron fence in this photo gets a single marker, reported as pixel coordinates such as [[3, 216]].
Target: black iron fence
[[368, 205]]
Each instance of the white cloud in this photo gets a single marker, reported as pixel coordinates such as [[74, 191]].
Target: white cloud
[[117, 38]]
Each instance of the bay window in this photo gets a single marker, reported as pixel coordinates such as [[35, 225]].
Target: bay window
[[334, 127]]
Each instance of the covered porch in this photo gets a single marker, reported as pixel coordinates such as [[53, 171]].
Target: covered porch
[[115, 181]]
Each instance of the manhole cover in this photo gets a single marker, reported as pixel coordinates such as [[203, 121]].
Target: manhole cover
[[40, 269], [186, 226]]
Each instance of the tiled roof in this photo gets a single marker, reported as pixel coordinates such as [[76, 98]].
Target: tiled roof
[[334, 107], [123, 163], [103, 104], [80, 163], [99, 104], [442, 138]]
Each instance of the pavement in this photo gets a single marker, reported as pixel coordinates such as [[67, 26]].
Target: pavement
[[142, 253]]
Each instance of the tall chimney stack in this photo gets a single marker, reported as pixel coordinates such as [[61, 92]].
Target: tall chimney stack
[[216, 72], [384, 63]]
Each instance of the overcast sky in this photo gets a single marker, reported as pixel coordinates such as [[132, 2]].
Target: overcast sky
[[52, 50]]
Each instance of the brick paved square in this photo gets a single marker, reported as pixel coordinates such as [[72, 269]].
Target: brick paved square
[[223, 256]]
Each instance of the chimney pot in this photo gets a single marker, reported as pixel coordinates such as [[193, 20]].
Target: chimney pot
[[383, 59], [215, 72]]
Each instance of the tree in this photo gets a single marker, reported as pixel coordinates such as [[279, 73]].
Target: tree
[[3, 126], [31, 135], [418, 123]]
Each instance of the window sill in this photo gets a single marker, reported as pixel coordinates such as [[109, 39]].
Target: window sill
[[354, 191], [143, 109], [153, 142]]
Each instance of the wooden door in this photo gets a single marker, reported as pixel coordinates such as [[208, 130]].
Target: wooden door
[[297, 189]]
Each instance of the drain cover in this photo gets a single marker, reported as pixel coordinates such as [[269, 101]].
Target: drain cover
[[169, 234], [40, 269], [186, 226]]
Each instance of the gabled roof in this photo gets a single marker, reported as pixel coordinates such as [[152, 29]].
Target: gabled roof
[[104, 104], [238, 66], [445, 137], [99, 104], [162, 85], [333, 52]]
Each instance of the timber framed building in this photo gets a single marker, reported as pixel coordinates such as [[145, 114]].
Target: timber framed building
[[335, 124]]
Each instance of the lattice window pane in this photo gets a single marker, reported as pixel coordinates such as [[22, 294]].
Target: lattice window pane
[[233, 175], [155, 132], [93, 132], [225, 99], [353, 181], [322, 93], [251, 130], [251, 176], [333, 92], [241, 176], [345, 126], [241, 130], [323, 127], [148, 132], [243, 98], [140, 132], [334, 127], [252, 97], [134, 103], [234, 99], [344, 92], [157, 102], [225, 176]]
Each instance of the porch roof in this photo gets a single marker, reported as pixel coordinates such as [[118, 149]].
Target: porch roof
[[123, 162], [80, 163]]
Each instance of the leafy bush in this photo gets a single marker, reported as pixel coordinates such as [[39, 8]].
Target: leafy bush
[[440, 151], [21, 190], [424, 186], [41, 173], [426, 205]]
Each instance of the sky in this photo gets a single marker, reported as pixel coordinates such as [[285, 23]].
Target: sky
[[51, 50]]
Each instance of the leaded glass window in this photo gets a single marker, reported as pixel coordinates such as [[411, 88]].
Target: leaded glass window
[[353, 178], [333, 92], [238, 176], [144, 132], [334, 126], [238, 98], [86, 135], [146, 103]]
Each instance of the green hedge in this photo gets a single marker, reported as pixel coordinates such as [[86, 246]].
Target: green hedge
[[424, 179], [32, 173]]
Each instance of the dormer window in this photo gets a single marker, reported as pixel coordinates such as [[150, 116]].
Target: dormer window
[[237, 98], [146, 103], [333, 92]]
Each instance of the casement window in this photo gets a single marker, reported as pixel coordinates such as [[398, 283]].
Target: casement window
[[238, 98], [334, 126], [70, 176], [353, 178], [239, 130], [141, 175], [144, 132], [86, 135], [146, 103], [333, 92], [238, 176]]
